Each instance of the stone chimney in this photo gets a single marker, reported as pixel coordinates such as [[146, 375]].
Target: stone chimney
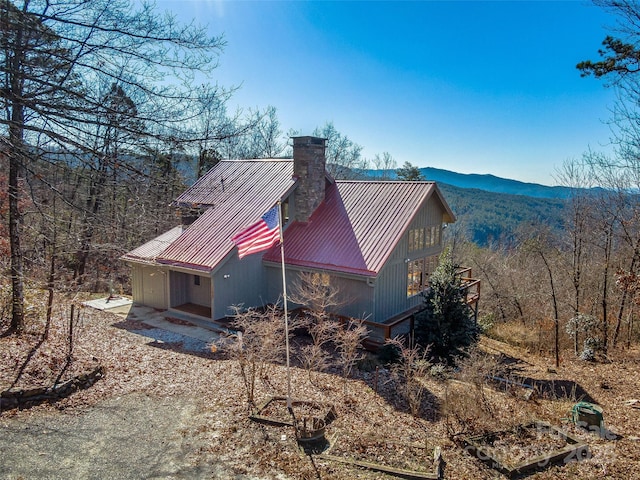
[[309, 168]]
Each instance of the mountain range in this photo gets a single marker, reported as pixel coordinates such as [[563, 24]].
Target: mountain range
[[495, 211], [489, 183]]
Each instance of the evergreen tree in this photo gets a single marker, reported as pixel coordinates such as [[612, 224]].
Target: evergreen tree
[[410, 173], [446, 324]]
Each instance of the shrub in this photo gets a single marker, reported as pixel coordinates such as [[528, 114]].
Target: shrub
[[446, 324]]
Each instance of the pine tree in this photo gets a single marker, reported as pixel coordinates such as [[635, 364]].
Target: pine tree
[[446, 324]]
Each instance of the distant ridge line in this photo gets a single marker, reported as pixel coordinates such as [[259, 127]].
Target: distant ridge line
[[486, 182]]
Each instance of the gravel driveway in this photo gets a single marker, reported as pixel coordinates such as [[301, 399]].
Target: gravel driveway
[[130, 437]]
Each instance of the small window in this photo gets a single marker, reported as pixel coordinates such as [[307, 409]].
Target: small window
[[416, 239], [196, 279], [284, 211], [415, 277], [321, 279], [419, 274]]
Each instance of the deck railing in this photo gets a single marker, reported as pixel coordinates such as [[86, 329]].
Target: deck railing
[[472, 288], [403, 323]]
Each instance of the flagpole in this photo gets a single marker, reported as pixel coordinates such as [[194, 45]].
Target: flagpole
[[286, 313]]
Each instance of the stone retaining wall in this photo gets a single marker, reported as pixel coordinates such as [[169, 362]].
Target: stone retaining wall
[[10, 399]]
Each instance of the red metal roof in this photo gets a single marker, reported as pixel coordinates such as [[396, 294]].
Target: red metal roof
[[238, 180], [238, 193], [354, 230], [357, 227], [148, 252]]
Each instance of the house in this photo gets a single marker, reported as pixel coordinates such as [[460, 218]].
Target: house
[[376, 241]]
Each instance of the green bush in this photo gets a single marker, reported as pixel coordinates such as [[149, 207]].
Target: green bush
[[446, 325]]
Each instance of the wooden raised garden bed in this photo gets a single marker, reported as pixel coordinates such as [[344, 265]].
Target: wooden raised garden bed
[[526, 447], [401, 459], [274, 412]]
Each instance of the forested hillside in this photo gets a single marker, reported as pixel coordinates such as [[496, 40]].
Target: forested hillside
[[490, 210], [489, 218], [491, 183]]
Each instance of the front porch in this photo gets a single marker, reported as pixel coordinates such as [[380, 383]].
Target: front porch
[[200, 315], [193, 309]]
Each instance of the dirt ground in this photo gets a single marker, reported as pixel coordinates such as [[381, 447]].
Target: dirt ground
[[169, 408]]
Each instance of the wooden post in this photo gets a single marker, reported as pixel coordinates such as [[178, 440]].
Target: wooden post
[[71, 333]]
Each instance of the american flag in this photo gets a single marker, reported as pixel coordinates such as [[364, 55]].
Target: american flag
[[259, 236]]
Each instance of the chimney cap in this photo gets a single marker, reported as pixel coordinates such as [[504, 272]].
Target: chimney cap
[[309, 140]]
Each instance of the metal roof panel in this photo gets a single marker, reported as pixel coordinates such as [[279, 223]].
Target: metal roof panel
[[356, 228], [237, 193]]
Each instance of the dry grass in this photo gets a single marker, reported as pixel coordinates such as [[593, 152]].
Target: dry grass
[[464, 404]]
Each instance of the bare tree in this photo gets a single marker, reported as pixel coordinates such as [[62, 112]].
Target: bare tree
[[541, 246], [52, 52], [409, 371], [316, 292], [344, 157], [619, 66], [630, 284], [258, 343], [348, 341], [319, 297], [264, 138], [385, 164], [578, 178], [316, 357]]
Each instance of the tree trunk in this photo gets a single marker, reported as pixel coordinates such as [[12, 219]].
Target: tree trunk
[[555, 311], [93, 207], [625, 294], [15, 220], [16, 137], [605, 286]]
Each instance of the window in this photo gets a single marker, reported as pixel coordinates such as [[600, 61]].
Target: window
[[415, 277], [321, 279], [418, 273], [435, 235], [284, 211], [416, 239], [421, 238], [431, 264], [196, 279]]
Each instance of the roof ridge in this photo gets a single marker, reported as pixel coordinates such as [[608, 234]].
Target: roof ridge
[[407, 182], [246, 160]]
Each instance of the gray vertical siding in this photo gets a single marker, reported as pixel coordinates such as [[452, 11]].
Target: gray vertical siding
[[355, 295], [149, 285], [200, 294], [178, 288], [391, 284], [239, 282]]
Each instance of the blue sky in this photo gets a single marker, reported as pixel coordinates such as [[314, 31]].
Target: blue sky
[[473, 87]]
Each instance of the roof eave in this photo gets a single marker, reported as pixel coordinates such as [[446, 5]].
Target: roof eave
[[346, 272], [185, 266]]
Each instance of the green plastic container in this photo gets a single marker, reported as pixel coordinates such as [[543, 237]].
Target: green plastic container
[[587, 415]]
